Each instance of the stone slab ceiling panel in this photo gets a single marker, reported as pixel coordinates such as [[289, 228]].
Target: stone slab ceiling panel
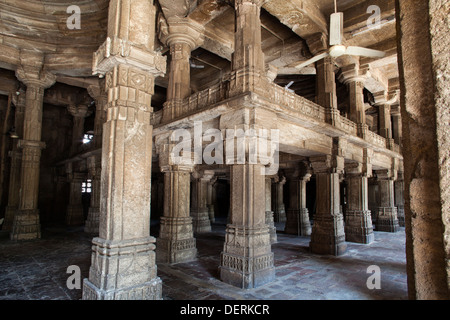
[[43, 26]]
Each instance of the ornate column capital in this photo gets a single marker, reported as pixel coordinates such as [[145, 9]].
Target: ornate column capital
[[80, 111], [176, 30], [386, 174], [32, 72], [386, 97], [204, 175], [258, 3], [353, 73], [115, 51], [327, 164]]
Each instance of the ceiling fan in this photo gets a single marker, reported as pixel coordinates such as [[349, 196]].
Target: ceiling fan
[[337, 48]]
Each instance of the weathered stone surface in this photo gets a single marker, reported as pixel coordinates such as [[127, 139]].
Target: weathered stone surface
[[424, 110]]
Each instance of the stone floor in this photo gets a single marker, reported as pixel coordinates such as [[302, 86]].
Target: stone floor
[[37, 269]]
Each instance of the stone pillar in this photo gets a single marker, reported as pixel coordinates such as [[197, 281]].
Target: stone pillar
[[248, 63], [354, 78], [326, 78], [94, 173], [176, 242], [74, 215], [182, 35], [297, 215], [424, 75], [384, 116], [199, 209], [399, 186], [101, 98], [247, 259], [123, 257], [358, 218], [16, 161], [397, 128], [79, 113], [387, 211], [26, 224], [328, 235], [280, 210], [210, 199], [269, 212], [94, 163]]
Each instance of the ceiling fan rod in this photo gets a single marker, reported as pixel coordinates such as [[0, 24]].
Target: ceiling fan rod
[[335, 6]]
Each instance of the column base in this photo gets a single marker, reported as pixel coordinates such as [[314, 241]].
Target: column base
[[9, 218], [387, 220], [75, 215], [92, 222], [327, 236], [200, 220], [297, 222], [272, 228], [176, 242], [147, 291], [247, 260], [123, 270], [26, 225], [358, 227]]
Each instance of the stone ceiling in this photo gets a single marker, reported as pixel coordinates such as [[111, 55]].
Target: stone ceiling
[[41, 25]]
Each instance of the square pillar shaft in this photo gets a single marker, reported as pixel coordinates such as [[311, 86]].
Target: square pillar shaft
[[358, 219], [123, 255], [176, 242], [297, 221], [247, 259], [328, 235]]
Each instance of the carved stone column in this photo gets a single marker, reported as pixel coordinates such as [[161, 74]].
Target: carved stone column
[[297, 215], [328, 235], [199, 210], [399, 187], [26, 224], [280, 210], [74, 215], [123, 257], [247, 259], [326, 78], [16, 161], [354, 78], [210, 199], [397, 128], [387, 211], [248, 63], [384, 100], [176, 242], [101, 99], [94, 173], [358, 218], [79, 113], [181, 35], [269, 212]]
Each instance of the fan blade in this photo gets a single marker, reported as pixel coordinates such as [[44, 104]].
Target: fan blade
[[312, 60], [336, 28], [364, 52]]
